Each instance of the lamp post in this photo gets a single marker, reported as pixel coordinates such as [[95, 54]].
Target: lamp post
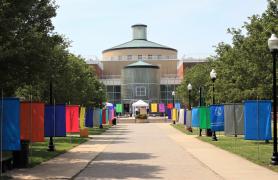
[[51, 146], [189, 88], [213, 78], [173, 96], [273, 47]]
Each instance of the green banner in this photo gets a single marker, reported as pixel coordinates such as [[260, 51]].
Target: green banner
[[119, 108], [204, 117]]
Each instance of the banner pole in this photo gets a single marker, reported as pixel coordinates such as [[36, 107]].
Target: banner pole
[[2, 111]]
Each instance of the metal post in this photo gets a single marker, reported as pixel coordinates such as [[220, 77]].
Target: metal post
[[274, 158], [214, 138], [189, 104], [51, 146]]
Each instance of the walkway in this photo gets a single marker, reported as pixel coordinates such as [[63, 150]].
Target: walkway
[[148, 151]]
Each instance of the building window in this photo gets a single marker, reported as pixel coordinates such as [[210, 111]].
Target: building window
[[120, 58], [140, 91], [150, 56], [139, 57], [129, 57], [158, 56]]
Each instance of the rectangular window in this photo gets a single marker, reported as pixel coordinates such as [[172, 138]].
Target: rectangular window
[[158, 56], [140, 91], [150, 56], [139, 57], [129, 57]]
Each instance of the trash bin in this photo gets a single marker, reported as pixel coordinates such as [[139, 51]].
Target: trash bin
[[21, 158]]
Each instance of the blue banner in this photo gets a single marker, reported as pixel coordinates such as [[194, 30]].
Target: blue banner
[[177, 106], [257, 120], [184, 116], [10, 126], [55, 121], [169, 113], [217, 117], [195, 117], [89, 117]]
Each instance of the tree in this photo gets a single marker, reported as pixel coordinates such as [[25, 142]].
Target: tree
[[243, 68]]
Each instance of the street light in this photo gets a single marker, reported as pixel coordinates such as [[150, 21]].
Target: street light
[[173, 96], [273, 47], [213, 78], [51, 146], [189, 87]]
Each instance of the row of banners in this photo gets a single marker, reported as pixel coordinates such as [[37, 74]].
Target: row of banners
[[155, 107], [251, 119], [33, 121]]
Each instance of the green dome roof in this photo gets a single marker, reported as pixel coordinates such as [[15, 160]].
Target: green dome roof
[[139, 43], [140, 64]]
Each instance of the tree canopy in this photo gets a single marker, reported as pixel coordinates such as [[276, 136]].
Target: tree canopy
[[244, 68], [32, 53]]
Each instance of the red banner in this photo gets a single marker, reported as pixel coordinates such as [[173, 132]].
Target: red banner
[[72, 118], [32, 121], [103, 116], [169, 105]]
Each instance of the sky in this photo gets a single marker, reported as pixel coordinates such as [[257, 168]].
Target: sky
[[193, 27]]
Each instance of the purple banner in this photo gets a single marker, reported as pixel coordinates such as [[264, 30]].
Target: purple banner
[[161, 108]]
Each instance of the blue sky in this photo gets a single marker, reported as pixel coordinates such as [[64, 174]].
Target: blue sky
[[193, 27]]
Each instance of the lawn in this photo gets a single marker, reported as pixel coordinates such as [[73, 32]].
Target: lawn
[[258, 152], [181, 127], [38, 151]]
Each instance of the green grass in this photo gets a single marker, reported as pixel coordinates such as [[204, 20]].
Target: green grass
[[38, 151], [258, 152], [98, 131], [181, 127]]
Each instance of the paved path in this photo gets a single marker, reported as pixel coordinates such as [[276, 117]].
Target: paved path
[[147, 151]]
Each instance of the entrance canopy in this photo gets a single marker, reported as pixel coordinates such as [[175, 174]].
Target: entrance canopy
[[140, 103]]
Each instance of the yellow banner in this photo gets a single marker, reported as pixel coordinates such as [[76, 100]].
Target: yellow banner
[[174, 114], [153, 107], [82, 118]]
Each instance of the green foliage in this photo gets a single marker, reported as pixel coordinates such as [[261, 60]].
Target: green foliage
[[244, 69], [32, 55]]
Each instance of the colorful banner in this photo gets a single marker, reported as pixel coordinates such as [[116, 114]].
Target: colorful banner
[[100, 117], [257, 120], [32, 121], [217, 117], [96, 117], [161, 108], [204, 113], [89, 117], [181, 116], [119, 108], [103, 116], [169, 113], [195, 117], [177, 106], [10, 130], [234, 120], [72, 121], [82, 117], [55, 121], [153, 107], [107, 116], [174, 114], [188, 118], [169, 105]]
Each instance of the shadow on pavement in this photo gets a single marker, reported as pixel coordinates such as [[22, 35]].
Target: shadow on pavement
[[123, 156], [120, 171]]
